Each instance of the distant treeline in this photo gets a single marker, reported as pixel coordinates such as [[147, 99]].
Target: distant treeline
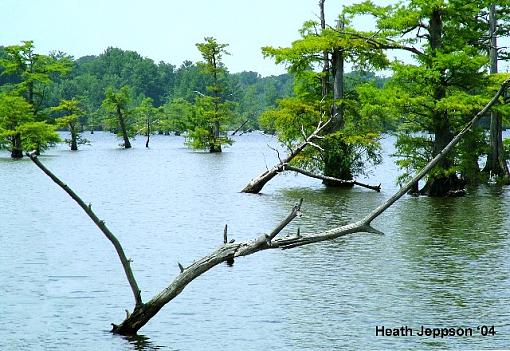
[[164, 83], [91, 76]]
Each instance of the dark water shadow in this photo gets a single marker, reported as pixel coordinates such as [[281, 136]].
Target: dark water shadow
[[142, 342]]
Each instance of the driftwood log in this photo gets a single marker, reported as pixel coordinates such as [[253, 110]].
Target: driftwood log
[[144, 311]]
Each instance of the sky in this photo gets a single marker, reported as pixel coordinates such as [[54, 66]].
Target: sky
[[161, 30], [166, 30]]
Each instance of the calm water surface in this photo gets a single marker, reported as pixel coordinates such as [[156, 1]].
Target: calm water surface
[[442, 262]]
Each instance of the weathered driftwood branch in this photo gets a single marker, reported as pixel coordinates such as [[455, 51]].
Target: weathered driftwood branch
[[142, 313], [126, 263], [331, 179], [257, 183], [225, 253]]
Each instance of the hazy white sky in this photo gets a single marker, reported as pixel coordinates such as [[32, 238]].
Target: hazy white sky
[[164, 30]]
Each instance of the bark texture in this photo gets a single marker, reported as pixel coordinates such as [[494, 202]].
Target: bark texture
[[17, 150], [74, 137], [337, 151], [123, 128], [496, 164]]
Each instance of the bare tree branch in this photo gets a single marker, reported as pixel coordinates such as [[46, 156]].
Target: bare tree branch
[[257, 183], [100, 224], [239, 128], [332, 179]]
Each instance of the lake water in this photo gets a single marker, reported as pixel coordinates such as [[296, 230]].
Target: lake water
[[442, 262]]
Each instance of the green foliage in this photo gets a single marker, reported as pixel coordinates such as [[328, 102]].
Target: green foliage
[[433, 97], [18, 130], [34, 72], [38, 136], [213, 113], [255, 94], [118, 111], [288, 119], [209, 115], [352, 140], [176, 117], [147, 117], [14, 112], [506, 148], [90, 76], [70, 112]]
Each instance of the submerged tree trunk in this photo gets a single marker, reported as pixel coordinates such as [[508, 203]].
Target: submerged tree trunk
[[74, 137], [17, 149], [215, 146], [148, 132], [496, 164], [444, 182], [123, 128], [143, 312]]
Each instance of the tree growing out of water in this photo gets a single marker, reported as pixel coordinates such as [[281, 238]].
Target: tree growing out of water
[[176, 116], [207, 128], [496, 162], [19, 131], [143, 312], [147, 117], [70, 113], [32, 72], [434, 95], [23, 123], [317, 61], [120, 117]]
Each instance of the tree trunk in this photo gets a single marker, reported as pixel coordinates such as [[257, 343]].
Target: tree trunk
[[336, 151], [123, 128], [74, 137], [17, 149], [496, 163], [470, 169], [148, 132], [215, 146], [325, 55], [442, 182]]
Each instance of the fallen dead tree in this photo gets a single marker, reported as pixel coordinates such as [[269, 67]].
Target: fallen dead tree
[[257, 183], [342, 182], [144, 311]]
